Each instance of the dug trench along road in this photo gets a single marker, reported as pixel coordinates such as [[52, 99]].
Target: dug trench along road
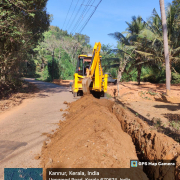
[[22, 128]]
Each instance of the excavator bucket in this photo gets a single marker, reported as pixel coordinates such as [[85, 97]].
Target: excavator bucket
[[85, 85]]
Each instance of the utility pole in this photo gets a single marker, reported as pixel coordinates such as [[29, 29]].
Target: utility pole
[[166, 51], [53, 64]]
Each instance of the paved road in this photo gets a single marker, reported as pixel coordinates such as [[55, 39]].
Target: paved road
[[21, 129]]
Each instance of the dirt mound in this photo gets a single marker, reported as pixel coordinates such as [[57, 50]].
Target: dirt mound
[[62, 82], [90, 137]]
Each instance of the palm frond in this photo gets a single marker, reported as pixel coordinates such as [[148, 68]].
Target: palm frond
[[144, 53], [120, 37], [175, 52]]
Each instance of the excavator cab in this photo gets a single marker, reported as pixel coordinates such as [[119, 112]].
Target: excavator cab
[[83, 63]]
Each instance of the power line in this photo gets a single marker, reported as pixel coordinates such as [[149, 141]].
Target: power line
[[90, 16], [77, 22], [67, 14], [82, 16], [87, 11], [76, 14], [72, 14]]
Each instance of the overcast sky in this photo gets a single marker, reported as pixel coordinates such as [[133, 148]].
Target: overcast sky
[[109, 17]]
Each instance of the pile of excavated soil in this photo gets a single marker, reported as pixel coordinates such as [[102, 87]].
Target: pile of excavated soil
[[99, 133], [62, 82], [90, 137]]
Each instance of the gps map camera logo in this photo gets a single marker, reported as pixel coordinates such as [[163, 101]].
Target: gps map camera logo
[[133, 163]]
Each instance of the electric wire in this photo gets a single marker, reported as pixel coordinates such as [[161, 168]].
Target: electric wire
[[86, 13], [82, 16], [72, 14], [77, 22], [90, 16], [76, 14], [67, 13]]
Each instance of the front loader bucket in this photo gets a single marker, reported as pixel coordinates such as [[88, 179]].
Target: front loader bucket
[[85, 85]]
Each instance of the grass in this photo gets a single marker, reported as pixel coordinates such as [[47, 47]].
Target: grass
[[108, 95], [175, 125], [151, 93], [143, 93], [157, 122]]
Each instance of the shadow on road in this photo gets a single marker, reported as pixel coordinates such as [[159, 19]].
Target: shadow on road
[[46, 87], [7, 147]]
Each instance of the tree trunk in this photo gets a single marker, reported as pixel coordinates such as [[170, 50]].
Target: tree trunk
[[166, 52], [118, 80], [139, 74], [120, 71], [3, 74], [53, 65]]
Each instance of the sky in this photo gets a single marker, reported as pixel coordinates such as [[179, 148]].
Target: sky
[[109, 17]]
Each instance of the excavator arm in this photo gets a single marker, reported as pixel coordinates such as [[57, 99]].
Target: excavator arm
[[94, 73]]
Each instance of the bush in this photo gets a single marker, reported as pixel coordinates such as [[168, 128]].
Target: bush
[[175, 78]]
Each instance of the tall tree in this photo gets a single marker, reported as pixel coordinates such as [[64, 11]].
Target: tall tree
[[21, 26], [166, 51]]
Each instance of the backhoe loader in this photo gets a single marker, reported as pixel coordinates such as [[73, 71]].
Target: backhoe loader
[[89, 76]]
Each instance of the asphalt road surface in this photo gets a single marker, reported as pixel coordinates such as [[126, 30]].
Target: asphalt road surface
[[22, 128]]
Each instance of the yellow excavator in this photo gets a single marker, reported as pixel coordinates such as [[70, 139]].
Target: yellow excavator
[[89, 76]]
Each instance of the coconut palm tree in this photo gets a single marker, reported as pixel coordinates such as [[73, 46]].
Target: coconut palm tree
[[166, 51]]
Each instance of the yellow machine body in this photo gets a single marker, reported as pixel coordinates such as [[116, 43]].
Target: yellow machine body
[[89, 75]]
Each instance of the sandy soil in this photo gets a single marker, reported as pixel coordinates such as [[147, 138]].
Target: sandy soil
[[149, 102]]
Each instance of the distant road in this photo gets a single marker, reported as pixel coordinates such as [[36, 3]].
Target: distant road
[[21, 128]]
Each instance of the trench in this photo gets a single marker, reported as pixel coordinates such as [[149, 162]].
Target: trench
[[151, 146]]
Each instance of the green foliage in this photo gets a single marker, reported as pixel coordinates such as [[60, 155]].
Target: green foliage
[[21, 26], [113, 72], [64, 49], [46, 75], [144, 41], [68, 69], [175, 78]]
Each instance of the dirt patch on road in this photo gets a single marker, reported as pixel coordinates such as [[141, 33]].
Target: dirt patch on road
[[14, 97], [99, 133]]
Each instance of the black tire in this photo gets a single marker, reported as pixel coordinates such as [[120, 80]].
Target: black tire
[[115, 82]]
